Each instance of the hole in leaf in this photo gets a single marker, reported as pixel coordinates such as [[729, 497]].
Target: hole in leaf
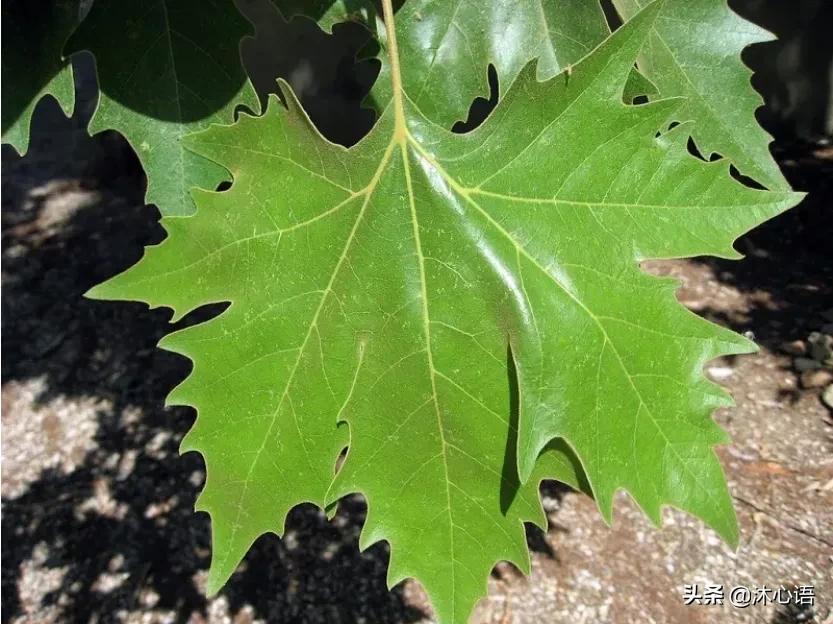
[[510, 484], [695, 151], [744, 179], [481, 107], [692, 148], [202, 314], [611, 15]]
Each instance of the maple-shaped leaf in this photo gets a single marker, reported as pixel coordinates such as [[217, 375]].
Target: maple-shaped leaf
[[448, 307], [694, 51], [167, 68], [34, 32]]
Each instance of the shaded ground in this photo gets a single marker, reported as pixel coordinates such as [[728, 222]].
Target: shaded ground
[[97, 506]]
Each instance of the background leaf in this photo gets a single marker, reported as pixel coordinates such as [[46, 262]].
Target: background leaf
[[165, 69], [34, 32], [328, 13], [694, 51], [447, 46]]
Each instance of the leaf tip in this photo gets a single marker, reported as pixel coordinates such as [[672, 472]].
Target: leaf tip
[[97, 292], [214, 583], [176, 398], [20, 147], [109, 290], [604, 503], [729, 531], [526, 460], [331, 510]]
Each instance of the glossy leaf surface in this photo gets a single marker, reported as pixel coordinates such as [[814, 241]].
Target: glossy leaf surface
[[167, 68], [448, 307]]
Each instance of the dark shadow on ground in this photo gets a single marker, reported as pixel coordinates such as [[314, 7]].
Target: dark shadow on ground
[[128, 508], [787, 271], [788, 268]]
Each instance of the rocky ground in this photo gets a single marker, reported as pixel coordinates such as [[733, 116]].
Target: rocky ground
[[97, 505]]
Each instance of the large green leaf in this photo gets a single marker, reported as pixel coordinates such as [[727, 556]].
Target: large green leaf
[[694, 51], [377, 293], [167, 68], [34, 32]]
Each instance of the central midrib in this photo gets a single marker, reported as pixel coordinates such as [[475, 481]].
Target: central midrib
[[402, 139], [402, 136]]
